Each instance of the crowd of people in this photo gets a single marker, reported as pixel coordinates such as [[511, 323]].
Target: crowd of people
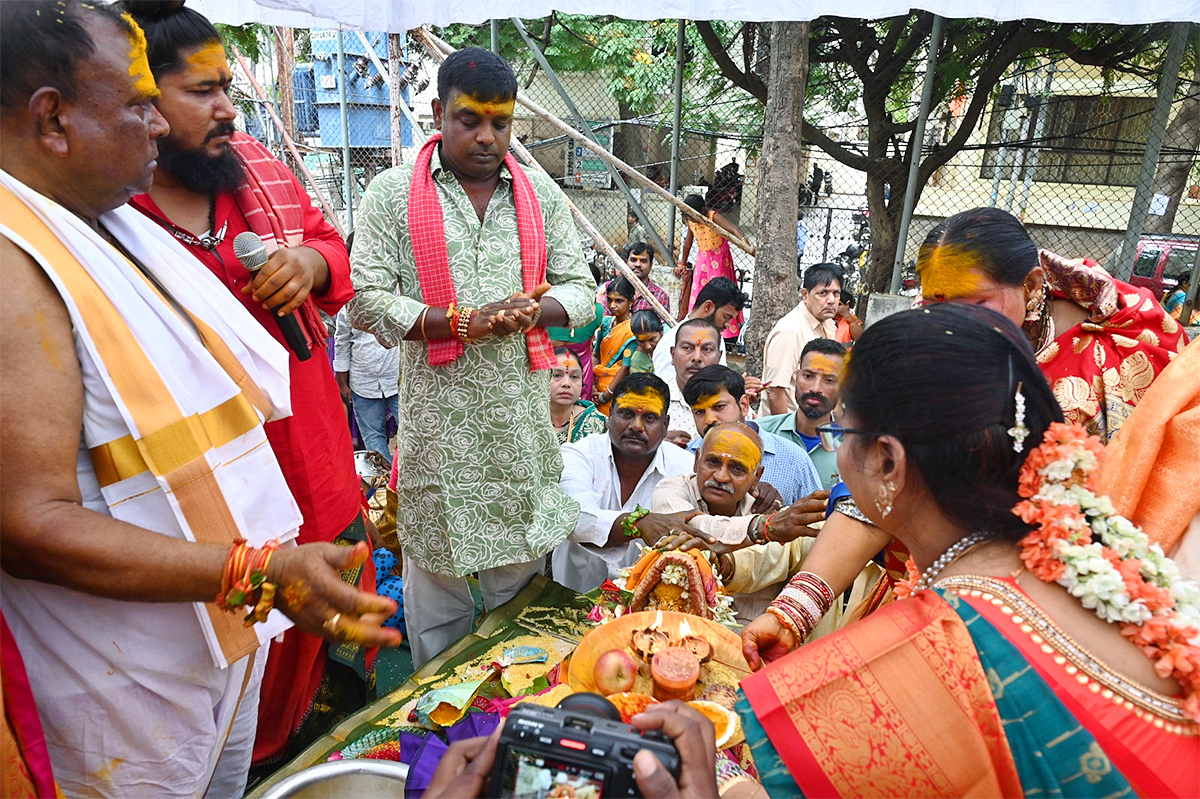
[[938, 597]]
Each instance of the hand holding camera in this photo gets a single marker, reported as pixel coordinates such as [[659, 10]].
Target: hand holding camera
[[582, 750]]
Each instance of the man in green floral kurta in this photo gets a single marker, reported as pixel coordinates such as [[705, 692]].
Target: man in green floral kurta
[[477, 464]]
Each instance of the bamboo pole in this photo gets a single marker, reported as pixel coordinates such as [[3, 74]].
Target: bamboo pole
[[287, 140], [434, 43], [606, 249]]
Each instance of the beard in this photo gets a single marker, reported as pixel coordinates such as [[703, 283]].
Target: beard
[[198, 171], [814, 411]]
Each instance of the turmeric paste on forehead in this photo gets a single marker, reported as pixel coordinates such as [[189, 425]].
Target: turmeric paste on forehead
[[139, 65], [949, 272]]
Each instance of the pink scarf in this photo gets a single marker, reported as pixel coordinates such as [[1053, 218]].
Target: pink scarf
[[433, 261]]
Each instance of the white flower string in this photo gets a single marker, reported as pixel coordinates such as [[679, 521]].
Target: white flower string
[[1106, 561]]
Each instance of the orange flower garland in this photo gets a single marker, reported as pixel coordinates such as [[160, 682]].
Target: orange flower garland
[[1103, 559]]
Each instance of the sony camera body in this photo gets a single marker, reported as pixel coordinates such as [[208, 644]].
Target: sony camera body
[[556, 753]]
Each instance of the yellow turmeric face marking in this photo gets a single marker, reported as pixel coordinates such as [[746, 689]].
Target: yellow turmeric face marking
[[139, 66], [210, 58], [645, 401], [704, 403], [468, 104], [819, 362], [949, 272], [734, 446]]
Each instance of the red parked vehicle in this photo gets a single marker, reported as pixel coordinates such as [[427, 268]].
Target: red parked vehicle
[[1160, 260]]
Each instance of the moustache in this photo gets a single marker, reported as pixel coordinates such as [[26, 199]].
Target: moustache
[[814, 395], [222, 129], [712, 482]]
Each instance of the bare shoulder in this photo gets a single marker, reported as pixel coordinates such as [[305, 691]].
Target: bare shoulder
[[37, 342]]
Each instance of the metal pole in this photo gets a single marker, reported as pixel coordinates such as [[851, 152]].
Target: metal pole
[[918, 140], [398, 99], [586, 129], [1035, 149], [496, 36], [676, 125], [347, 181], [1158, 126]]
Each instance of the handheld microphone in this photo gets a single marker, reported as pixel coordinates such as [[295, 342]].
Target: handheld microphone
[[250, 250]]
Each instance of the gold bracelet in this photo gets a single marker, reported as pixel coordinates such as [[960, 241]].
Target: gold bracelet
[[424, 313]]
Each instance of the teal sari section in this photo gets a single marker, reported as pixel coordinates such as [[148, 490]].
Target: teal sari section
[[772, 773], [1054, 754]]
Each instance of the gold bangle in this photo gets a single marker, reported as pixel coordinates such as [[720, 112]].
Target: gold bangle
[[424, 313]]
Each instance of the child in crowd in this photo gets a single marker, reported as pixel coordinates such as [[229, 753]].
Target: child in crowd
[[615, 343], [647, 328]]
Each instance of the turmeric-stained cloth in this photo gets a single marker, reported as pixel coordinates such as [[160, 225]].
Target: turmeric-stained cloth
[[1100, 368]]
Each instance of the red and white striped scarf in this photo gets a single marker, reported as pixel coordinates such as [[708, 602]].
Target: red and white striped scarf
[[432, 259]]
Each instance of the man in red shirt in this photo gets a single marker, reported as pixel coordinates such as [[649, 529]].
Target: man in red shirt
[[211, 184]]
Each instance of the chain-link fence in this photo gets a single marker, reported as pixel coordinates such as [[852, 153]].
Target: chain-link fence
[[1096, 151]]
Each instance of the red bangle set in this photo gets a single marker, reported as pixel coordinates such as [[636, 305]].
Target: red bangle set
[[244, 580], [802, 604]]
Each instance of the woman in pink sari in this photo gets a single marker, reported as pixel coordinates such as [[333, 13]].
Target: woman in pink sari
[[713, 258]]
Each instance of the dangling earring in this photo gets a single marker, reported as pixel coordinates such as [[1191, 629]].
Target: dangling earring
[[883, 502], [1035, 307], [1018, 432]]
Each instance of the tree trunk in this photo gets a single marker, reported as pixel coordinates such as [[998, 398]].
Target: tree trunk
[[285, 57], [627, 139], [1171, 176], [775, 285]]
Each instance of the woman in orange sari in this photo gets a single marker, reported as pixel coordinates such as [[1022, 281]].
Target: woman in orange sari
[[615, 343], [1018, 663], [1100, 341]]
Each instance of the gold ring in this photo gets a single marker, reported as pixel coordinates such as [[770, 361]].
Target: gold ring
[[777, 504], [331, 623]]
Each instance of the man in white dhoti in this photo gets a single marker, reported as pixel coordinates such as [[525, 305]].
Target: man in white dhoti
[[142, 513]]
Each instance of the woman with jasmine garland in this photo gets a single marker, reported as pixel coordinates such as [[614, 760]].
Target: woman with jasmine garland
[[1013, 665]]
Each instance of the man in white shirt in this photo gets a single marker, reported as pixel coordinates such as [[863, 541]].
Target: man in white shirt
[[718, 302], [812, 318], [611, 476], [368, 376], [697, 345]]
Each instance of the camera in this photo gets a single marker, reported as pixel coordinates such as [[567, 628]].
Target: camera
[[578, 750]]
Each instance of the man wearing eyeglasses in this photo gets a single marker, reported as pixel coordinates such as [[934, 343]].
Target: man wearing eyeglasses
[[817, 384]]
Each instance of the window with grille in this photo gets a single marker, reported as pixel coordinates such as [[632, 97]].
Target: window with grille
[[1092, 139]]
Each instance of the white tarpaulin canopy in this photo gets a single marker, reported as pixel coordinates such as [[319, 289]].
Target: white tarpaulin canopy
[[400, 15]]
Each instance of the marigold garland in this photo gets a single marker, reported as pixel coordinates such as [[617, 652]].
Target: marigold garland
[[1103, 559]]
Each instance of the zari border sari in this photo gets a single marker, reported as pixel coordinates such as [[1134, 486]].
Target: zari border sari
[[970, 690], [1100, 368]]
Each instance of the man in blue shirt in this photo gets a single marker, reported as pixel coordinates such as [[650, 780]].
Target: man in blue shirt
[[717, 394], [817, 383]]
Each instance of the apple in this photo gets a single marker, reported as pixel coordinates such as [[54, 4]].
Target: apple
[[614, 672]]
